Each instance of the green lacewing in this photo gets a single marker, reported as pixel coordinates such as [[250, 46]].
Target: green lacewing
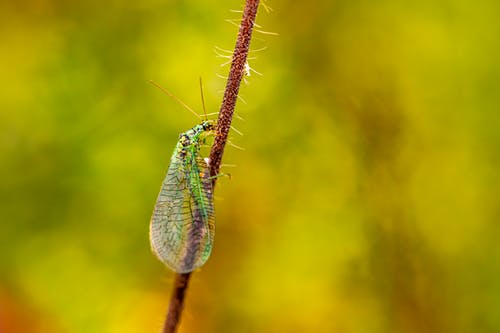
[[183, 223]]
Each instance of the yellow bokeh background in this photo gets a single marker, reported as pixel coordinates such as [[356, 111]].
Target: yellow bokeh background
[[367, 198]]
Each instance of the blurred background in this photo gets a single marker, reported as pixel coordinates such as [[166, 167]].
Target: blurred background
[[367, 199]]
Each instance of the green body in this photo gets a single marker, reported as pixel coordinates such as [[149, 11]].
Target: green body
[[183, 222]]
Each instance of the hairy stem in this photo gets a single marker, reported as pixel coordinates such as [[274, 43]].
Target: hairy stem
[[236, 73], [226, 112]]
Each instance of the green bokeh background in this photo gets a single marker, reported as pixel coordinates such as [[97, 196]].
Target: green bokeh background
[[367, 199]]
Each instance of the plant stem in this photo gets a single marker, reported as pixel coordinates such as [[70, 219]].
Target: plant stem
[[176, 302], [226, 112], [236, 73]]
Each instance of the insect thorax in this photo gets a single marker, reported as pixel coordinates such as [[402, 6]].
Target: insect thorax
[[192, 136]]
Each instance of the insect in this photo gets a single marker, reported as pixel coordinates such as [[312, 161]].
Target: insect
[[183, 223]]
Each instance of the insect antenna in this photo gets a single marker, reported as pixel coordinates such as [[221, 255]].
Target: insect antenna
[[177, 99], [203, 100]]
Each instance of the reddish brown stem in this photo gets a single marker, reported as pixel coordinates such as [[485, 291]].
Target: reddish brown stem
[[176, 302], [226, 112], [236, 73]]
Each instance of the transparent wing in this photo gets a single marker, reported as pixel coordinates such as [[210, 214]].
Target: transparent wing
[[202, 231], [183, 222], [167, 228]]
